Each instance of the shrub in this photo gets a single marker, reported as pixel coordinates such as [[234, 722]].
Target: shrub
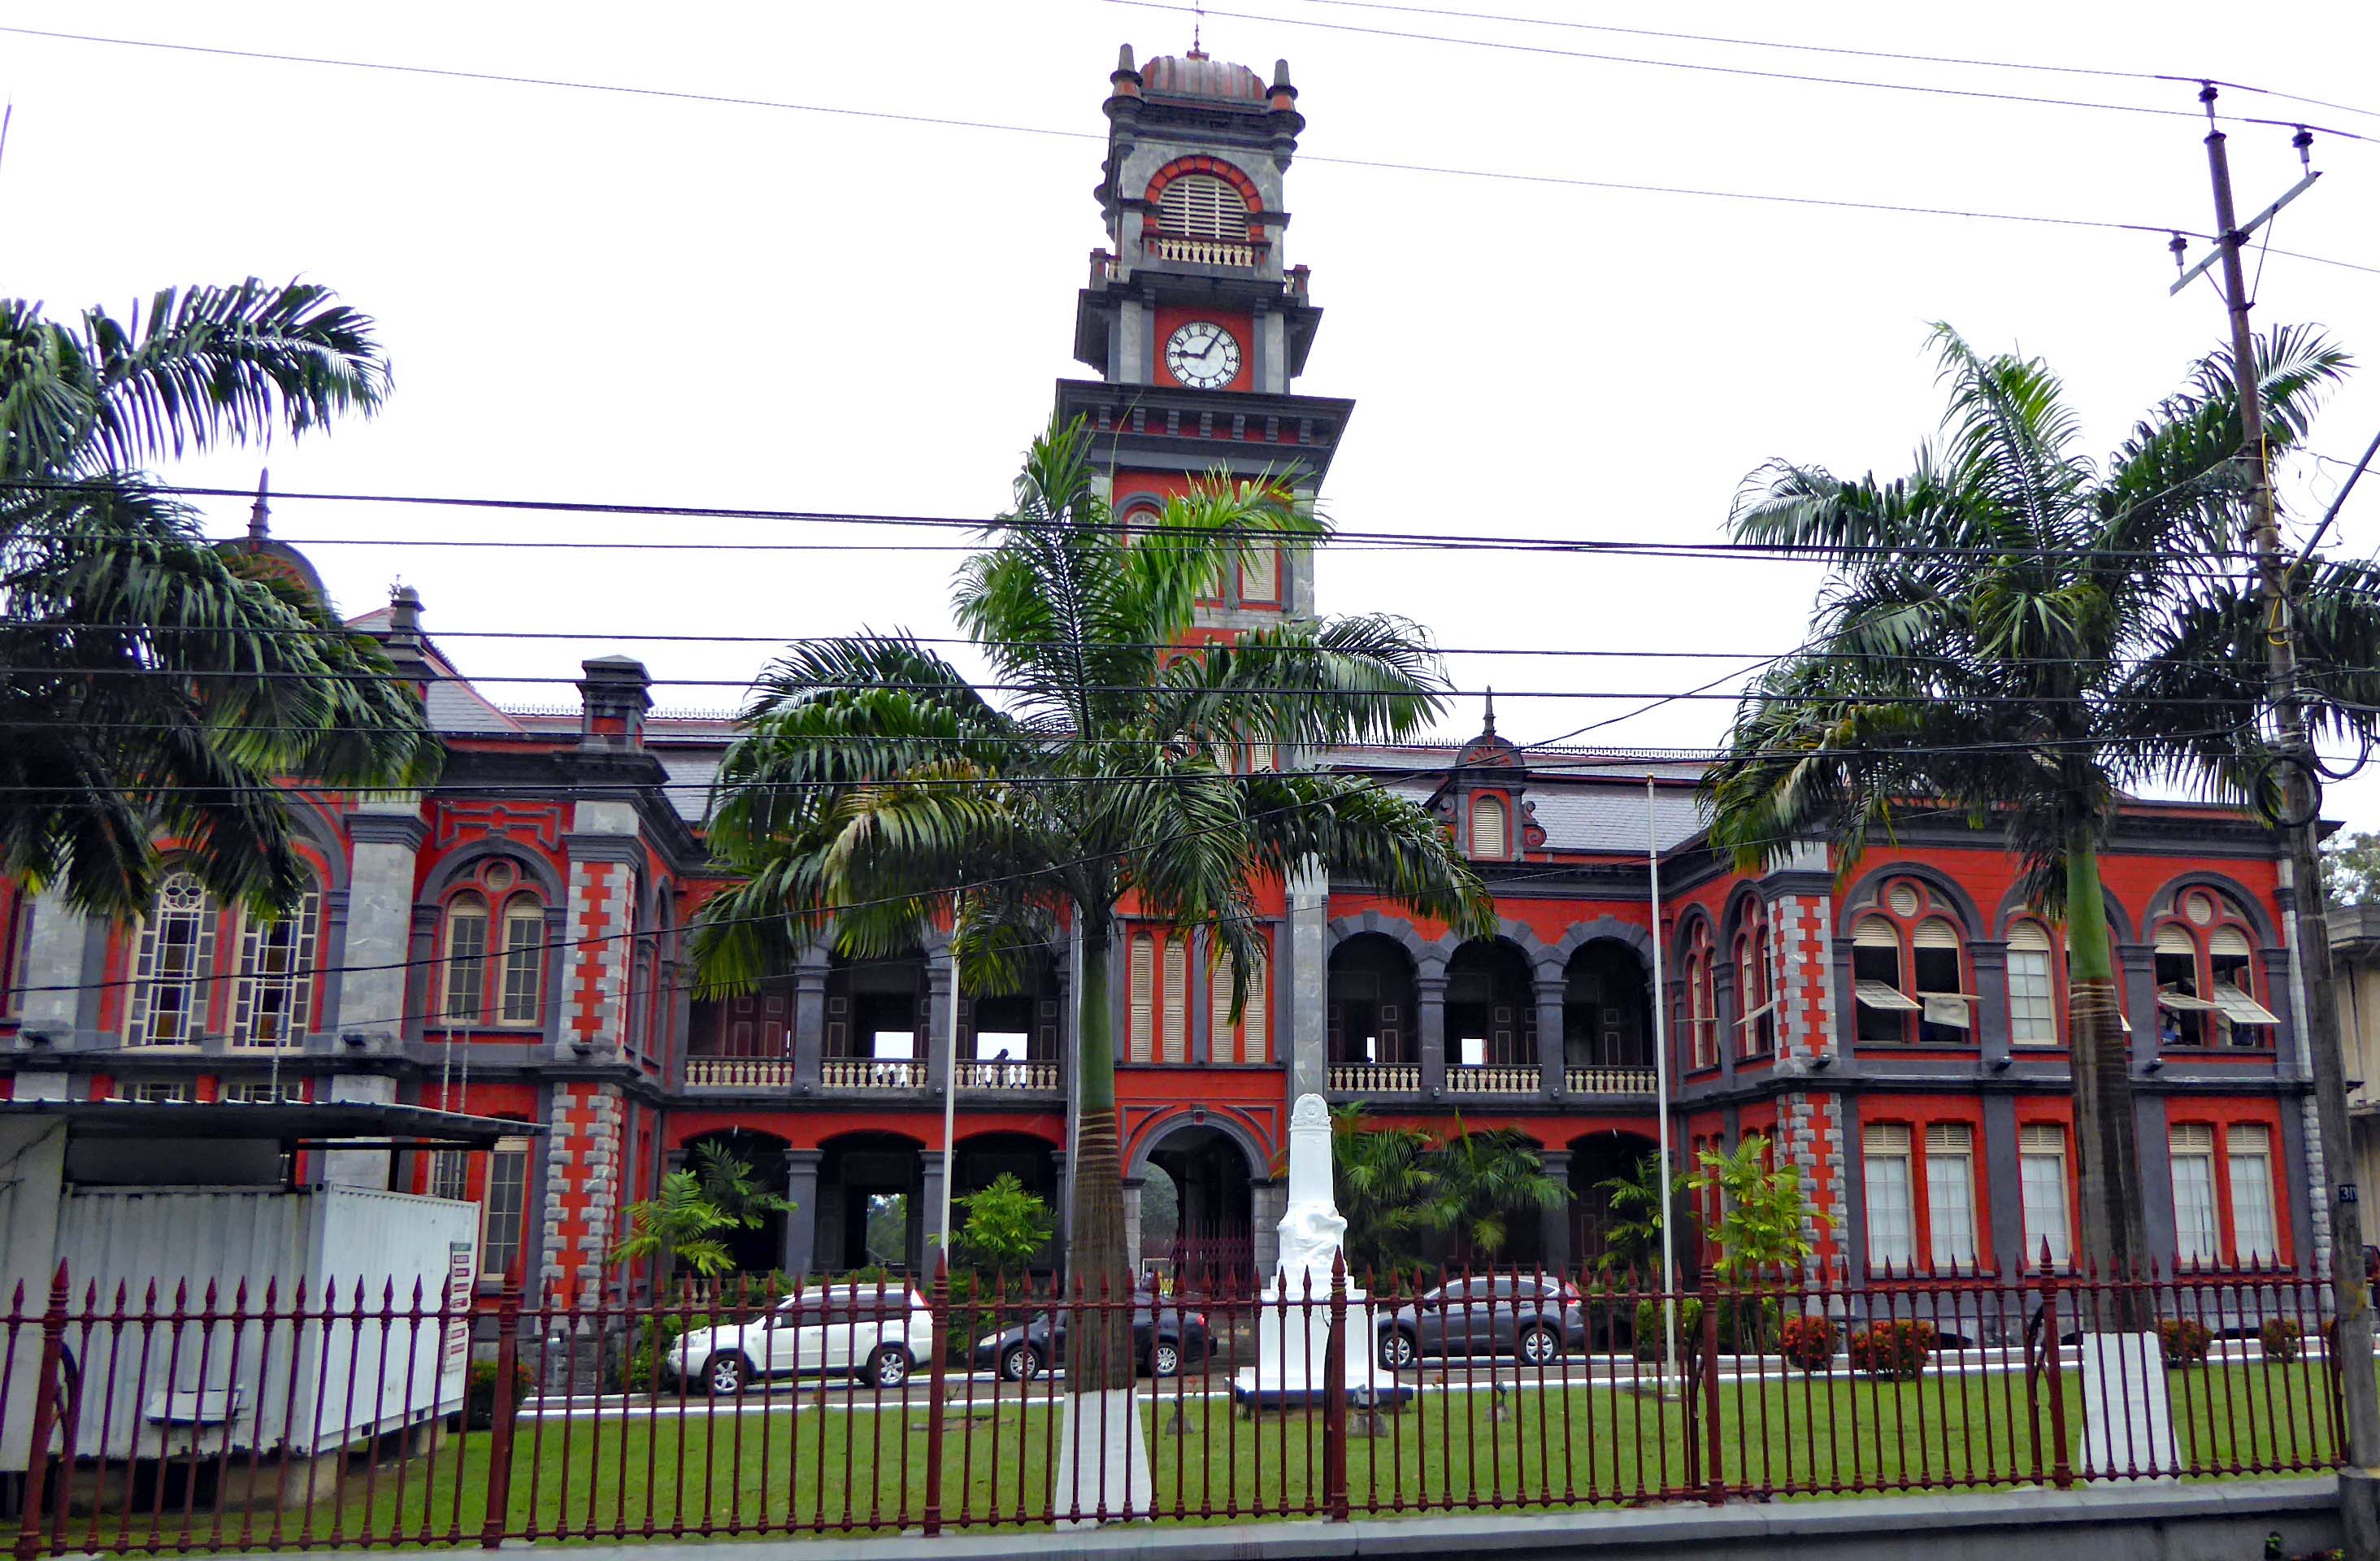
[[1896, 1350], [480, 1392], [640, 1366], [2184, 1341], [2283, 1338], [1807, 1341], [1648, 1328]]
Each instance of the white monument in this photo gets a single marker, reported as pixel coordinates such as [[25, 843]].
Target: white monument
[[1293, 1338]]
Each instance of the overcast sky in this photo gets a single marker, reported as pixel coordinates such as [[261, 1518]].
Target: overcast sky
[[645, 299]]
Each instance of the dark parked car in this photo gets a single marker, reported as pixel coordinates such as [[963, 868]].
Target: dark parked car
[[1534, 1319], [1165, 1341]]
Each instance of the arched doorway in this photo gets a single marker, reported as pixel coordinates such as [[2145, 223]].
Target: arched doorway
[[1606, 1009], [870, 1198], [1210, 1174], [1373, 1037], [1594, 1160], [758, 1248], [1492, 1014], [984, 1157]]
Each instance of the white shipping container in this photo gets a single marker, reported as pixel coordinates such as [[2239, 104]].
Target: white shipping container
[[150, 1389]]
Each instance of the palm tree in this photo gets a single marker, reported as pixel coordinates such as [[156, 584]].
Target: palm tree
[[1635, 1211], [151, 684], [875, 789], [1387, 1190], [1485, 1179], [2014, 634]]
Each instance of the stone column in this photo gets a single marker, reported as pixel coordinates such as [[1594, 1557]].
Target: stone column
[[2136, 979], [1989, 1011], [1430, 993], [931, 1170], [1550, 992], [584, 1115], [384, 833], [1268, 1201], [53, 1017], [801, 1224], [1554, 1224], [1309, 978], [809, 1024], [933, 1046]]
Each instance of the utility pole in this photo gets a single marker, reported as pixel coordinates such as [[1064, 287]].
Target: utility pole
[[2300, 867]]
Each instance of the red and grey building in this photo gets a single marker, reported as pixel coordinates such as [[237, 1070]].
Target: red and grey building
[[513, 943]]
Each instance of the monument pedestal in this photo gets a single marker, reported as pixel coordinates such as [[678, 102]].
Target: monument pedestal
[[1293, 1352]]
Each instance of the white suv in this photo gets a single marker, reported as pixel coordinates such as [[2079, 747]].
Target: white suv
[[877, 1333]]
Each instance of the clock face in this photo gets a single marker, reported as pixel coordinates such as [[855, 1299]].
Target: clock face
[[1203, 355]]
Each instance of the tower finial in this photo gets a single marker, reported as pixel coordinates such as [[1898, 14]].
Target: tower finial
[[1490, 728], [1197, 29], [261, 513]]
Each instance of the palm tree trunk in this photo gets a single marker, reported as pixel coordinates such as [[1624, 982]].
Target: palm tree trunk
[[1099, 1344], [2115, 1238]]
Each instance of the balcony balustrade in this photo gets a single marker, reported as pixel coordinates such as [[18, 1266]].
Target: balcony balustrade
[[1494, 1079], [871, 1073], [1609, 1080], [1203, 251], [1375, 1078], [739, 1073], [992, 1078]]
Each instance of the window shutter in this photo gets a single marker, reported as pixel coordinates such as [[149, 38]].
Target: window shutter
[[1487, 827], [2228, 940], [1177, 1001], [2029, 935], [2171, 939], [1874, 931], [2249, 1137], [1253, 1030], [1950, 1137], [1935, 932], [2191, 1138], [1219, 996], [1885, 1138], [2040, 1138], [1142, 984], [1202, 206]]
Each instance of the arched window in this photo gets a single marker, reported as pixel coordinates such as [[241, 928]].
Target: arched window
[[466, 959], [2032, 986], [1702, 1001], [1202, 206], [273, 1002], [2206, 976], [172, 958], [1755, 999], [492, 943], [1908, 968], [1488, 833]]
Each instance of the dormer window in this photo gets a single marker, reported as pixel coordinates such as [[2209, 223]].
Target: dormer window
[[1490, 830], [1202, 206]]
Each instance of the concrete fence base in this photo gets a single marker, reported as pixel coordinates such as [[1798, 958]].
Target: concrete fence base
[[2226, 1521]]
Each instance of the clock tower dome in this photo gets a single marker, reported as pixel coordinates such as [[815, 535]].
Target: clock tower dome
[[1192, 322]]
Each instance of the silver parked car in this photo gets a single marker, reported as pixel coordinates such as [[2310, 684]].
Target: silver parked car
[[1532, 1318], [876, 1333]]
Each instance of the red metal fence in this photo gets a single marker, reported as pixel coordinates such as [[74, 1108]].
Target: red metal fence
[[174, 1421]]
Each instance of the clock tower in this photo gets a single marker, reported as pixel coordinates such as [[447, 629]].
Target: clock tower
[[1191, 320]]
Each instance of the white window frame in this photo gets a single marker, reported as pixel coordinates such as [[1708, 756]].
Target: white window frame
[[273, 1003], [2255, 1215], [2046, 1194], [1888, 1177], [1952, 1238], [497, 1251], [521, 998], [178, 1004], [2197, 1216]]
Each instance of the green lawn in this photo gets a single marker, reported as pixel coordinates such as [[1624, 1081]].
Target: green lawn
[[798, 1466]]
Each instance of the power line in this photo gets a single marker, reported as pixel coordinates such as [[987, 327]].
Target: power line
[[1117, 526], [1702, 67], [2160, 229]]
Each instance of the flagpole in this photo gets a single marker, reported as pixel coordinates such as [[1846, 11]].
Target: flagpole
[[1661, 1100]]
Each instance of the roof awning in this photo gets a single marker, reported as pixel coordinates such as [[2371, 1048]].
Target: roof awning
[[2183, 1002], [281, 1121], [2240, 1008], [1884, 996]]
